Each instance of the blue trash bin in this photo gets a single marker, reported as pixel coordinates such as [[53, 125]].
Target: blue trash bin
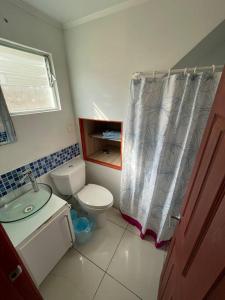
[[83, 227]]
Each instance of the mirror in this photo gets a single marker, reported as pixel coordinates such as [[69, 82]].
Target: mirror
[[7, 131]]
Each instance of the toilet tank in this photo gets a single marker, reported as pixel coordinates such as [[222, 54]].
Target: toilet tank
[[69, 178]]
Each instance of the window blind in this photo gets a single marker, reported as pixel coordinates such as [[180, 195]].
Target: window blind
[[26, 80]]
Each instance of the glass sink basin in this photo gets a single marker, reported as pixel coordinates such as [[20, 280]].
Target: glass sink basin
[[26, 204]]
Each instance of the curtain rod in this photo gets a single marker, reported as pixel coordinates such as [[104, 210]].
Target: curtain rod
[[153, 74]]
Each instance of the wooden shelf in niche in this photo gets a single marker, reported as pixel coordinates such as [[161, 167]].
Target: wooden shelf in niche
[[100, 136], [98, 148]]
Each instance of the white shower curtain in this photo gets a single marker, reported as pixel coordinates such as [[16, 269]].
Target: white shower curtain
[[163, 130]]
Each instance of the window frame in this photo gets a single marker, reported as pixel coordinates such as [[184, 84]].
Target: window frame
[[50, 71]]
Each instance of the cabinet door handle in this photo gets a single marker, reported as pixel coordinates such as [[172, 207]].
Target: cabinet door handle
[[15, 273], [68, 223]]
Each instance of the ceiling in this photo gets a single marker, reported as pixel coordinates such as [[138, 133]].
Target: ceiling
[[65, 11]]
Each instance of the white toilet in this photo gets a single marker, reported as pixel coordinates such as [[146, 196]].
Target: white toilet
[[94, 199]]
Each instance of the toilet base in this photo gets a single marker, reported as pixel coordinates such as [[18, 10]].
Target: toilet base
[[99, 218]]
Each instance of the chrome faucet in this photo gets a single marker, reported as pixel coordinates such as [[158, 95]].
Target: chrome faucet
[[28, 174]]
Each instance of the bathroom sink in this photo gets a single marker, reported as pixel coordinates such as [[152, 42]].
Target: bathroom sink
[[26, 204]]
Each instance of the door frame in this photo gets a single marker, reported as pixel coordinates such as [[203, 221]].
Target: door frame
[[13, 287]]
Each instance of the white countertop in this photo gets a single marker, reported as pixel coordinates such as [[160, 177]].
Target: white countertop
[[18, 231]]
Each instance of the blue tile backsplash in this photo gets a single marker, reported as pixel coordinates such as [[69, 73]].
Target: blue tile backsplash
[[11, 180], [3, 136]]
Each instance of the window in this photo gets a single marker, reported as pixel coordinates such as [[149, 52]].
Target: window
[[27, 80]]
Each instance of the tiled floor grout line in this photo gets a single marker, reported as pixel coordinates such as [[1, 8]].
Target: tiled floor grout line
[[89, 259], [102, 279], [96, 266], [137, 234], [121, 226], [115, 250], [125, 230], [73, 247], [123, 285], [105, 271], [98, 286]]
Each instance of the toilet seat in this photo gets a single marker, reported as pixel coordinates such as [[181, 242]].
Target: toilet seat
[[95, 196]]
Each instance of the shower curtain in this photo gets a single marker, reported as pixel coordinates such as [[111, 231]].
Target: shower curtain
[[163, 130]]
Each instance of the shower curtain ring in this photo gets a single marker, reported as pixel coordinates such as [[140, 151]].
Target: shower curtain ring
[[213, 68], [185, 71], [195, 70]]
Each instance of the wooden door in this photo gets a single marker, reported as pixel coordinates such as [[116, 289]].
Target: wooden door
[[15, 282], [195, 264]]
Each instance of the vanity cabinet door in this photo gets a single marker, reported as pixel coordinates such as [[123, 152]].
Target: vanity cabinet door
[[47, 245]]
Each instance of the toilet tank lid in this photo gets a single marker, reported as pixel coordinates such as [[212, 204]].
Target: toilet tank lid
[[70, 167]]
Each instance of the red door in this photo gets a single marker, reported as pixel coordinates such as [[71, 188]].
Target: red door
[[195, 264], [15, 282]]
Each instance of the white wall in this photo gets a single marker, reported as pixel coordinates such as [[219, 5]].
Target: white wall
[[38, 134], [104, 53]]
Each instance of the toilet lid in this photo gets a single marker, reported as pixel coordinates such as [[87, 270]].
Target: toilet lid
[[94, 195]]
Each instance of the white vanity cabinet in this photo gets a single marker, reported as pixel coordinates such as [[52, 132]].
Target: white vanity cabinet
[[52, 235]]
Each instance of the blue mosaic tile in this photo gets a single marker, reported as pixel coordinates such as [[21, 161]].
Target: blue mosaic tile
[[3, 137], [11, 180]]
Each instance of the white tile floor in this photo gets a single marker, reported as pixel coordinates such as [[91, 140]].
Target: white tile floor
[[114, 264]]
